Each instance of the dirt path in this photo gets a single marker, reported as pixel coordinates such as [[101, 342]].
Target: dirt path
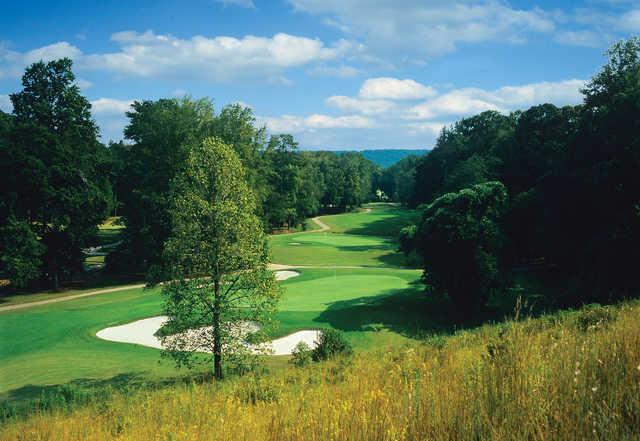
[[69, 297]]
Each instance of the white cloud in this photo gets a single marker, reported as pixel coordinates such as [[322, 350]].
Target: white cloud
[[215, 59], [431, 128], [586, 38], [630, 21], [467, 101], [83, 84], [110, 106], [366, 107], [456, 102], [298, 124], [394, 89], [598, 27], [386, 123], [12, 63], [5, 104], [431, 27]]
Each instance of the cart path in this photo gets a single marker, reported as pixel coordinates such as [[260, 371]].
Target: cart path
[[70, 297]]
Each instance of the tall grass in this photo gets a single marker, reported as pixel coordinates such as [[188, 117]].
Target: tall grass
[[571, 376]]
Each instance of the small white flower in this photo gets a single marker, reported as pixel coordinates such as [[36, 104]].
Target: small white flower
[[593, 389]]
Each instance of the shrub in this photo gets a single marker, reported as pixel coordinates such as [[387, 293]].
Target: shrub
[[301, 354], [331, 343], [594, 317]]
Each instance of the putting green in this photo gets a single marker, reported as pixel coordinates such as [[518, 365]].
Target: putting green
[[329, 249], [377, 219]]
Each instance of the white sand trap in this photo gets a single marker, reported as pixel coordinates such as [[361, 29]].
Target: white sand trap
[[286, 274], [295, 243], [142, 332]]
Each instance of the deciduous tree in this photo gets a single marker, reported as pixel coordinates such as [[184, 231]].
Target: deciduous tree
[[219, 285]]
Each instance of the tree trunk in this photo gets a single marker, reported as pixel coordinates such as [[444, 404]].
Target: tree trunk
[[217, 340]]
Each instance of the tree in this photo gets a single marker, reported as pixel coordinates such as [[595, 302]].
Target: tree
[[216, 258], [21, 255], [460, 239], [53, 182], [597, 204], [162, 132], [465, 154], [398, 181], [283, 177]]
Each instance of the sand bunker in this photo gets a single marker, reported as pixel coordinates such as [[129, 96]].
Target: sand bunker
[[142, 332], [286, 274]]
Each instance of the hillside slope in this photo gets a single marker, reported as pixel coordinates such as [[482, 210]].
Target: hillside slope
[[569, 376]]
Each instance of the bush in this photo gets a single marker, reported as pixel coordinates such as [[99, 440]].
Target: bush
[[594, 317], [331, 343], [301, 354]]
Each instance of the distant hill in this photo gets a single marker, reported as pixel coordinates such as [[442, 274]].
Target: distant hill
[[387, 157]]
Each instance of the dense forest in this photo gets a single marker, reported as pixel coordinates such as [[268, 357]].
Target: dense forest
[[547, 188]]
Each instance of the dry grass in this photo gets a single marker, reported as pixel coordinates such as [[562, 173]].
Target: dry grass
[[573, 376]]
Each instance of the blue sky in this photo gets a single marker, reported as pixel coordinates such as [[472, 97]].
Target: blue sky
[[337, 74]]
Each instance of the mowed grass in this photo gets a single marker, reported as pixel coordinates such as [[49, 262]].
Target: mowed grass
[[109, 232], [56, 344], [365, 238], [330, 249], [375, 219]]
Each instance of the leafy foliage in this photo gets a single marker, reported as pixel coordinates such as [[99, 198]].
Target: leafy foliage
[[331, 343], [460, 240], [301, 355], [52, 175], [218, 288], [571, 176]]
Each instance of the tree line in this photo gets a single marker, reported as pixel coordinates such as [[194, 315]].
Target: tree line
[[58, 182], [549, 187]]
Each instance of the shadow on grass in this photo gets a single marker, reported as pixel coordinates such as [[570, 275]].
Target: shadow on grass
[[398, 260], [30, 399], [362, 248], [408, 312], [389, 223]]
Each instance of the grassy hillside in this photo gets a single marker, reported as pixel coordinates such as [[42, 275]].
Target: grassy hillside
[[569, 376]]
